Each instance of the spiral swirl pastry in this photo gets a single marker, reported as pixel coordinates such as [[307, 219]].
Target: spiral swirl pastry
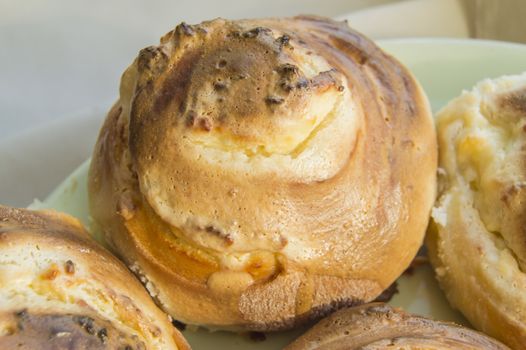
[[259, 173], [379, 326], [478, 243], [61, 290]]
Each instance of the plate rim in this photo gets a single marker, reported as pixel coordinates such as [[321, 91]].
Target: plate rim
[[472, 42]]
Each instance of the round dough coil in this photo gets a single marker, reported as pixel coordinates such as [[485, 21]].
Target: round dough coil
[[379, 326], [477, 242], [260, 173], [61, 290]]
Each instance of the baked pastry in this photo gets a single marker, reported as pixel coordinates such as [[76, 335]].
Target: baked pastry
[[477, 242], [61, 290], [259, 173], [379, 326]]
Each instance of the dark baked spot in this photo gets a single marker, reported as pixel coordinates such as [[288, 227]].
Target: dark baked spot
[[256, 31], [287, 86], [219, 85], [21, 314], [103, 335], [283, 40], [212, 229], [151, 62], [69, 267], [221, 64], [204, 124], [118, 111], [274, 100], [288, 69], [86, 323], [57, 332], [227, 238], [190, 118], [515, 100], [257, 336], [511, 193], [290, 76], [173, 91], [185, 29], [302, 83], [178, 324], [321, 311], [410, 91], [388, 293]]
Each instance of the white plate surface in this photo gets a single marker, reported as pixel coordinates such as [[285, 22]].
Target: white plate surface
[[444, 67]]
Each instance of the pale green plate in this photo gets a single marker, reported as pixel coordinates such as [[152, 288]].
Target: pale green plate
[[444, 67]]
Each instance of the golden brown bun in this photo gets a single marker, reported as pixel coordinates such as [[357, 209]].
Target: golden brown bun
[[477, 243], [379, 326], [259, 173], [61, 290]]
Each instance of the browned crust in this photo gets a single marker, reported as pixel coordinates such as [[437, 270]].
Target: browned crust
[[398, 135], [379, 326], [51, 231], [476, 241], [64, 332]]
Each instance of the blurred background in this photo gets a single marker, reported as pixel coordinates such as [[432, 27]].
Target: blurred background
[[61, 60]]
